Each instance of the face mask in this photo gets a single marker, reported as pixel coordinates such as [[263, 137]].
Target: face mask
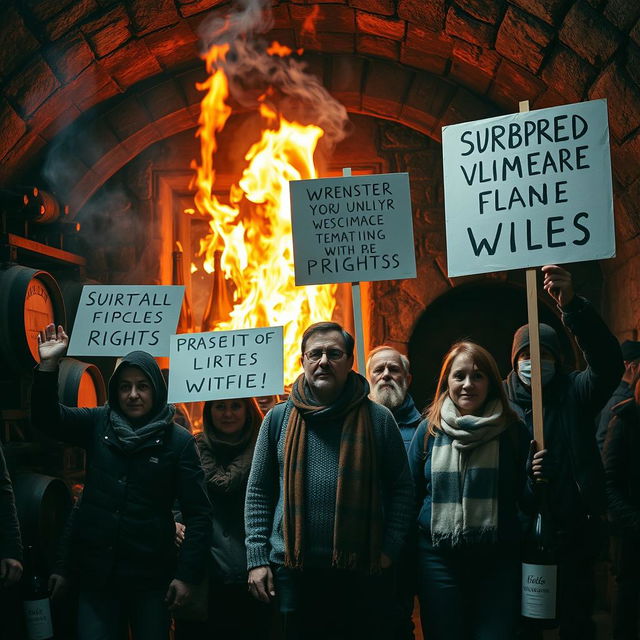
[[547, 371]]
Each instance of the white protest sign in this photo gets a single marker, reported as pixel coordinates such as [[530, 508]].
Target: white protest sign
[[354, 228], [226, 364], [113, 320], [528, 189]]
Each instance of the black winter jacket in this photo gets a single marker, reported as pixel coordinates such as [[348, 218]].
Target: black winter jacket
[[124, 531], [622, 470], [226, 467], [623, 392], [10, 545], [571, 402]]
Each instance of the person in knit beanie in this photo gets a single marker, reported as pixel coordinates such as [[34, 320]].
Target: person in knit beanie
[[571, 400], [329, 500]]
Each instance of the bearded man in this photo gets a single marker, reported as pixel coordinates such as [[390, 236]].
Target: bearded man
[[389, 376]]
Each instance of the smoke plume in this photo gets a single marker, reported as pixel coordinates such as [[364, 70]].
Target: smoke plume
[[252, 71]]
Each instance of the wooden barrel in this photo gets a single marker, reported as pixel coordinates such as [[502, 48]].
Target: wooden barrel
[[80, 384], [43, 504], [30, 203], [29, 300]]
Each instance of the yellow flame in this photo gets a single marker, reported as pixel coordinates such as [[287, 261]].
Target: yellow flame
[[257, 248]]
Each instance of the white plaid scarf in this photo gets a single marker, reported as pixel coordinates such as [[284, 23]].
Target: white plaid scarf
[[464, 476]]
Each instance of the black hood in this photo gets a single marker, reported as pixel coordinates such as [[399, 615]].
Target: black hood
[[146, 363]]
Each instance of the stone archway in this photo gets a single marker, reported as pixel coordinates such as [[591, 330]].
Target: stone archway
[[62, 59], [94, 149], [423, 64]]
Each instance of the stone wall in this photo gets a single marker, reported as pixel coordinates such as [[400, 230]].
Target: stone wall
[[103, 80]]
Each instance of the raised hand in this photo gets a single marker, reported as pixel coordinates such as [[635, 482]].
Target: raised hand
[[52, 345], [557, 283]]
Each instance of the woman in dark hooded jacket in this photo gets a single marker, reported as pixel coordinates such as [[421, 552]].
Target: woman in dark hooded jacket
[[122, 552], [230, 429]]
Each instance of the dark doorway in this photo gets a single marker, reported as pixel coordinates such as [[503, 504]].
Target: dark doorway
[[487, 313]]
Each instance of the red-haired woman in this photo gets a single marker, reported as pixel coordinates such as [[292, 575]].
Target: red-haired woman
[[468, 461]]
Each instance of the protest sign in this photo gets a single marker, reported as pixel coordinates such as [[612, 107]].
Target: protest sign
[[113, 320], [352, 228], [226, 364], [528, 189]]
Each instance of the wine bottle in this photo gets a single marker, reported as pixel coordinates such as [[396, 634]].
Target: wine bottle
[[219, 305], [540, 566], [185, 319], [35, 599]]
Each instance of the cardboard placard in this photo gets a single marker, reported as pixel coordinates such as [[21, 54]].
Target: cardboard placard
[[353, 228], [113, 320], [226, 364], [528, 189]]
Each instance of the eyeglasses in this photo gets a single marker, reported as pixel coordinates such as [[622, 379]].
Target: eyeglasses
[[316, 354]]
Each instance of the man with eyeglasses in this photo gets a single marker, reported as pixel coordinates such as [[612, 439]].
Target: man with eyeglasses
[[329, 500]]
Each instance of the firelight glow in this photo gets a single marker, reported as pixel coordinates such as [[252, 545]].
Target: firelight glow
[[257, 249]]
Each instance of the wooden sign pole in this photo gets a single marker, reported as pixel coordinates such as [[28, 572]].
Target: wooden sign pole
[[534, 343], [357, 315], [357, 325]]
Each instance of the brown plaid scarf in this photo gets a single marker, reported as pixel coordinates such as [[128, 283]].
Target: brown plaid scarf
[[357, 532]]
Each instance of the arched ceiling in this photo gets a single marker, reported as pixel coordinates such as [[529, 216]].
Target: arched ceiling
[[123, 71]]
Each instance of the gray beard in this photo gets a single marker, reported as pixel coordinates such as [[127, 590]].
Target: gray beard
[[390, 397]]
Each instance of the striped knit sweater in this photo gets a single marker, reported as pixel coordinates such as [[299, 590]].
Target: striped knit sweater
[[263, 507]]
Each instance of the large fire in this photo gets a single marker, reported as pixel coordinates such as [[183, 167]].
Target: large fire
[[253, 231]]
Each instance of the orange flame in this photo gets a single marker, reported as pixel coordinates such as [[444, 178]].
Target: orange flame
[[277, 49], [257, 248]]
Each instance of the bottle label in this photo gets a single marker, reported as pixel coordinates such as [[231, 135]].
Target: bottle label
[[539, 591], [38, 617]]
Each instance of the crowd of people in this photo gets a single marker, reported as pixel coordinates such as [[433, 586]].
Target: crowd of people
[[323, 516]]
